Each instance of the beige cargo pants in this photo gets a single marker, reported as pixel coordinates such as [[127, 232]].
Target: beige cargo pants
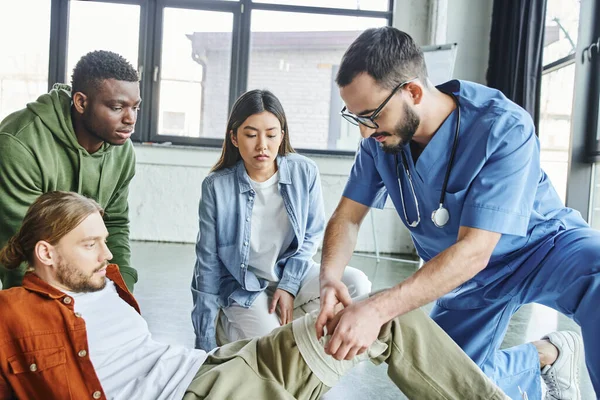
[[290, 363]]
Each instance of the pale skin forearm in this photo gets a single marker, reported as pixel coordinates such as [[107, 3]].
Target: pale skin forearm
[[338, 245], [340, 238], [448, 270], [356, 327]]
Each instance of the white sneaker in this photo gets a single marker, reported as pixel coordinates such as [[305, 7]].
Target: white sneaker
[[562, 377]]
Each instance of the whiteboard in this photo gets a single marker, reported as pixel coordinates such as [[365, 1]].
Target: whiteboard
[[440, 62]]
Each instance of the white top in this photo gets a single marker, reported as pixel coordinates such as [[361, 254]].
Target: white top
[[128, 362], [271, 232]]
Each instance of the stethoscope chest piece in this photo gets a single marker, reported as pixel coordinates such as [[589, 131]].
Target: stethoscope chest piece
[[440, 217]]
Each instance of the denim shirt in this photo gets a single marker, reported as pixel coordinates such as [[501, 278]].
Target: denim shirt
[[221, 274]]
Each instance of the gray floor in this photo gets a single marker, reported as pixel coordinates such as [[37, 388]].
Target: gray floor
[[164, 297]]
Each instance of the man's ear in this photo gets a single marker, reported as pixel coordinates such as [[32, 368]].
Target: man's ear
[[80, 102], [45, 253], [233, 137], [415, 90]]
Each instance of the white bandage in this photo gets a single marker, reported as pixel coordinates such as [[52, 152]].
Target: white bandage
[[325, 367]]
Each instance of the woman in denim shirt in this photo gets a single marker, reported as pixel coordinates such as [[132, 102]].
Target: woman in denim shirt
[[261, 221]]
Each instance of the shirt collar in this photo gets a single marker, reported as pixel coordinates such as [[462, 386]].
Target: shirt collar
[[244, 180]]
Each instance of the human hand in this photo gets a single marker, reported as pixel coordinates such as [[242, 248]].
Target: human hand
[[285, 301], [333, 294], [353, 330]]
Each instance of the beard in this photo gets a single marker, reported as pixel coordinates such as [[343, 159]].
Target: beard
[[91, 129], [99, 132], [77, 281], [404, 130]]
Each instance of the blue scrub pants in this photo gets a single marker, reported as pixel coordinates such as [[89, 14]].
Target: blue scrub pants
[[567, 279]]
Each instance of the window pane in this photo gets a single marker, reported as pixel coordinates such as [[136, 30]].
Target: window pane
[[296, 56], [194, 76], [595, 217], [371, 5], [89, 30], [555, 125], [562, 22], [24, 65]]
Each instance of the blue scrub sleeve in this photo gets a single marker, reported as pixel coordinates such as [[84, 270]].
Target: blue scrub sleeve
[[365, 185], [501, 196]]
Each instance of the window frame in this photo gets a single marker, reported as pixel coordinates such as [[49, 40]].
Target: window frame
[[59, 35], [155, 62], [150, 49], [580, 183], [582, 171]]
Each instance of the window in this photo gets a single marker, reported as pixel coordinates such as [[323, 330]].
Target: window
[[295, 55], [556, 99], [195, 57], [195, 70], [583, 186], [375, 5], [560, 35], [24, 49], [88, 31], [555, 125]]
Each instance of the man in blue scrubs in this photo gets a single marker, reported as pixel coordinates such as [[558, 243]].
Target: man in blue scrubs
[[508, 241]]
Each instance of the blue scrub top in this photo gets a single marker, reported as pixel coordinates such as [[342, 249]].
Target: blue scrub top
[[496, 182]]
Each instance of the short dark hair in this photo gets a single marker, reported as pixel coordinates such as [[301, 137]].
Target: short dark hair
[[387, 54], [96, 66]]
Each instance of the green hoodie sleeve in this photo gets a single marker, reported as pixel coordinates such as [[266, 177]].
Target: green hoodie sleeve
[[116, 219], [20, 186]]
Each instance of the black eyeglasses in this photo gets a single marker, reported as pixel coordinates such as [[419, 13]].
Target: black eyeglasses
[[369, 121]]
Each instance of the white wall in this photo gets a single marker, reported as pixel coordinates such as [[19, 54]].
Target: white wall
[[468, 23], [412, 17], [165, 192]]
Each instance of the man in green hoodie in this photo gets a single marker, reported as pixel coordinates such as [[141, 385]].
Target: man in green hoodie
[[74, 140]]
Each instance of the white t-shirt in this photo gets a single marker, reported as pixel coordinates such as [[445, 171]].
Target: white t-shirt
[[128, 362], [271, 232]]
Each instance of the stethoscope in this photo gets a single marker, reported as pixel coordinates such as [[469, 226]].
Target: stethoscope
[[441, 216]]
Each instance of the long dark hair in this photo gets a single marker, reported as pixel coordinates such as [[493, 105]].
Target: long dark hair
[[248, 104]]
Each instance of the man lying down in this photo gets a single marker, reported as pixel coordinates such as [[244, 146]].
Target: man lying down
[[74, 331]]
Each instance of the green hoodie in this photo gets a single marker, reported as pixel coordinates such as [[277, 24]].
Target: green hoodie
[[39, 153]]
